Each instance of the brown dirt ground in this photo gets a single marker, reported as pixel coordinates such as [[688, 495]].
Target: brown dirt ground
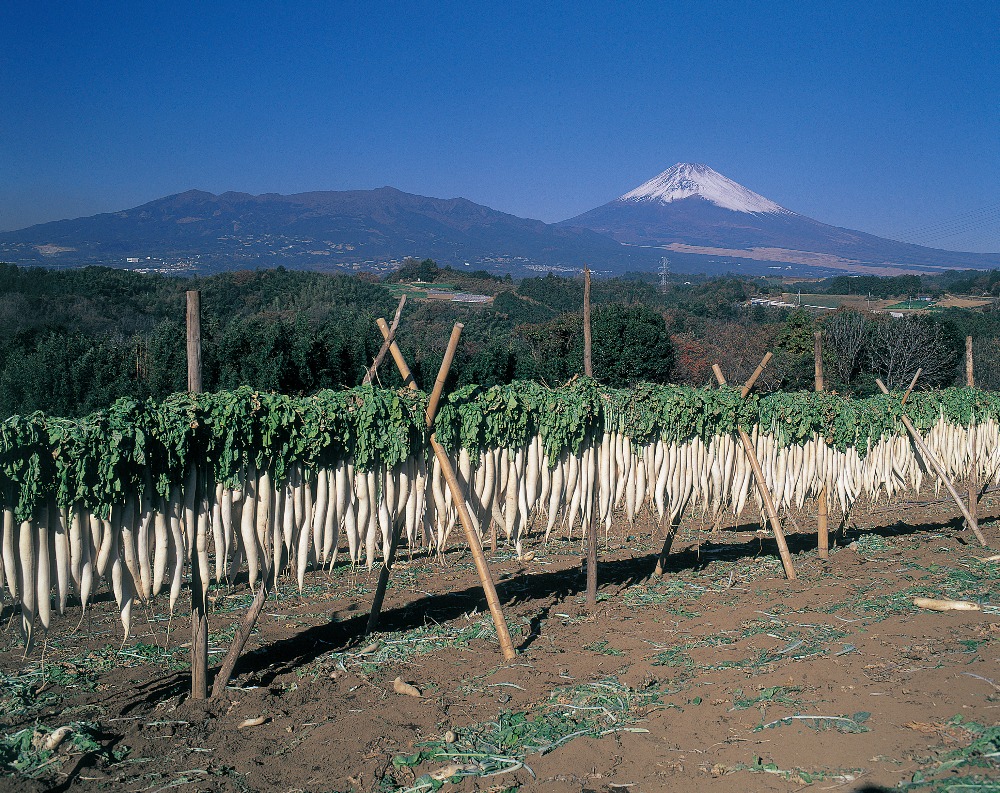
[[720, 674]]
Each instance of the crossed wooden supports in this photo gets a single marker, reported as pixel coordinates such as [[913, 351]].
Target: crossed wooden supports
[[458, 498], [823, 537]]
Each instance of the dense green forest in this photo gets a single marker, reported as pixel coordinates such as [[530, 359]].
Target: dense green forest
[[76, 340]]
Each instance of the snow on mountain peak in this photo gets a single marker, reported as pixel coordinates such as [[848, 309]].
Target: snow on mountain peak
[[685, 179]]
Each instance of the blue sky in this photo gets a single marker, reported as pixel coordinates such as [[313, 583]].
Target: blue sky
[[878, 116]]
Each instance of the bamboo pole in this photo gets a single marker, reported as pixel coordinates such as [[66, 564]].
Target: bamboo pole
[[931, 458], [449, 355], [912, 385], [970, 382], [199, 620], [397, 356], [753, 378], [772, 513], [822, 508], [485, 578], [386, 344], [818, 354]]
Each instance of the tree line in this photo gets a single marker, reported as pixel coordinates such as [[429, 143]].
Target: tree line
[[76, 340]]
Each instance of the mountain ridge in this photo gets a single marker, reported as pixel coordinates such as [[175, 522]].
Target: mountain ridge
[[705, 221], [320, 229]]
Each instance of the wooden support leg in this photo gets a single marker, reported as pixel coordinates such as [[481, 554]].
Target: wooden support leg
[[242, 635], [822, 517], [485, 578], [199, 632], [769, 508], [970, 382], [383, 578], [823, 526], [668, 542], [592, 562]]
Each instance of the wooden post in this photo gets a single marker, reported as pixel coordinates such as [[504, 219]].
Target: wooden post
[[931, 458], [194, 341], [370, 374], [588, 362], [199, 621], [588, 369], [772, 513], [822, 510], [970, 382]]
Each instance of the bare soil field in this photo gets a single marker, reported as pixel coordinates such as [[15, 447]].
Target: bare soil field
[[720, 675]]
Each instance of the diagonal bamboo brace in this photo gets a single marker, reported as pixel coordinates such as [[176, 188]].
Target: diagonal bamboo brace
[[931, 458], [485, 577], [370, 374], [758, 474], [397, 356]]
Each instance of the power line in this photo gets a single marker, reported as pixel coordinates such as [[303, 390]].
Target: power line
[[966, 222]]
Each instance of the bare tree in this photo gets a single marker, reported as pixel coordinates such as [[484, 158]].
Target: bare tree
[[738, 348], [845, 332], [900, 346]]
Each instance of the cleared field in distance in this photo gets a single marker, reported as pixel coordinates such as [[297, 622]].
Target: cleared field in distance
[[874, 304]]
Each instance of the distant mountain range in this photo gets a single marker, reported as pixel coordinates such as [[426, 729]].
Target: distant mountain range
[[356, 229], [696, 217]]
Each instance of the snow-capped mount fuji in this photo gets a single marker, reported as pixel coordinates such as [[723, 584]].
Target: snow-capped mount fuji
[[687, 180], [692, 210]]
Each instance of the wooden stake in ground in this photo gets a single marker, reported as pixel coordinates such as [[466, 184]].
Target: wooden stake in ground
[[822, 510], [970, 381], [668, 542], [772, 513], [199, 621], [931, 458], [588, 369]]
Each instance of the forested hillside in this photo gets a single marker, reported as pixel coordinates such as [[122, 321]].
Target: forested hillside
[[76, 340]]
